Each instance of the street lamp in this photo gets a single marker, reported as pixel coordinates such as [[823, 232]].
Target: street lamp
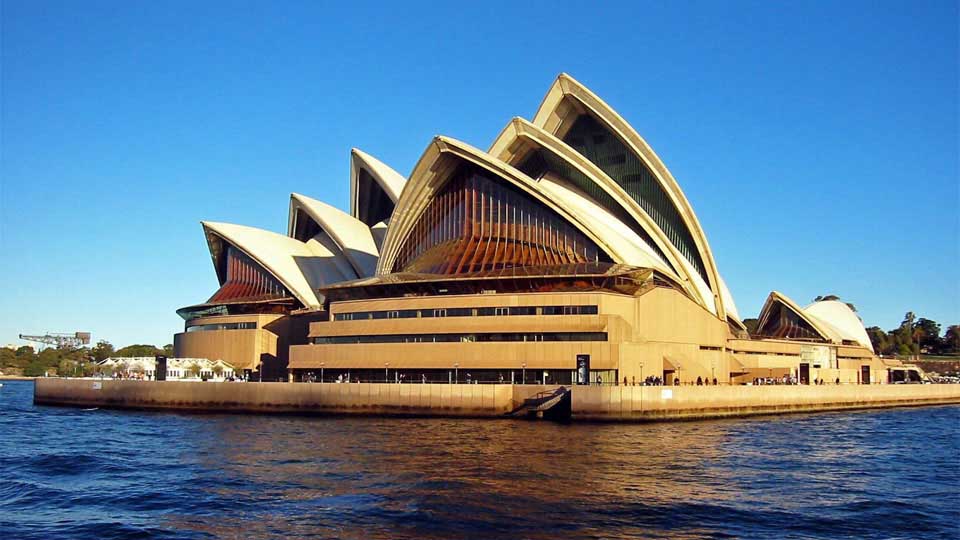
[[456, 373], [524, 366], [386, 372], [321, 372], [641, 372]]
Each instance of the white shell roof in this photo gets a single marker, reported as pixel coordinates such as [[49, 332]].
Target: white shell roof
[[625, 244], [300, 267], [552, 111], [352, 236], [842, 320], [388, 179]]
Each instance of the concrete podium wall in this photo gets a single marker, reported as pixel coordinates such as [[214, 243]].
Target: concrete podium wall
[[614, 403], [691, 402], [362, 398]]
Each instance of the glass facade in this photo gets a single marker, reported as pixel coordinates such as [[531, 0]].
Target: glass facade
[[373, 203], [462, 338], [246, 280], [595, 142], [305, 227], [541, 163], [476, 223], [784, 323], [222, 326], [466, 312]]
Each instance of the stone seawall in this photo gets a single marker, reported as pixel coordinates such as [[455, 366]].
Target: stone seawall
[[617, 403], [355, 398], [646, 403]]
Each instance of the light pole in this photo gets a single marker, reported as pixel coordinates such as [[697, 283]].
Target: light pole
[[524, 367], [456, 373], [321, 372], [386, 372]]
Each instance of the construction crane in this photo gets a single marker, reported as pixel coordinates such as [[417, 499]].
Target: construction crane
[[60, 341]]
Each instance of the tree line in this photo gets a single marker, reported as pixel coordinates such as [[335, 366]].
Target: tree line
[[914, 336], [69, 361]]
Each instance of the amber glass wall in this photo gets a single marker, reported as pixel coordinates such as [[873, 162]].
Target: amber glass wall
[[475, 223], [785, 324], [246, 280]]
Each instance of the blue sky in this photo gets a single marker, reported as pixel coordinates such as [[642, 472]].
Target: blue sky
[[817, 141]]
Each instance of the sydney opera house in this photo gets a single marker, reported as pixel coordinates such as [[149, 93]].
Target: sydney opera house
[[565, 253]]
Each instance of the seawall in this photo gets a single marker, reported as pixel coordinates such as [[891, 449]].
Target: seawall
[[616, 403]]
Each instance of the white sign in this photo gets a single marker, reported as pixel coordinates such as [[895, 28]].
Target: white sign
[[666, 393]]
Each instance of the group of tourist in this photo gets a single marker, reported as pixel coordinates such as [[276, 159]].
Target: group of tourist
[[786, 380]]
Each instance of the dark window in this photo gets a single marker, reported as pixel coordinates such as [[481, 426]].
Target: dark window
[[570, 310], [222, 326], [454, 338]]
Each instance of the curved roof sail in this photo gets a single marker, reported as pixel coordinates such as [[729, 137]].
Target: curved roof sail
[[839, 317], [564, 173], [489, 209], [352, 237], [374, 188], [301, 268], [577, 116]]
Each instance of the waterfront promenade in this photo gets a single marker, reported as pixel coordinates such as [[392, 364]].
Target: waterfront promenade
[[609, 403]]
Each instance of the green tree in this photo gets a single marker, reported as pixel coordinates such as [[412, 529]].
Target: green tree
[[904, 335], [951, 338], [102, 350], [927, 334], [194, 370], [168, 350], [8, 359], [138, 350], [34, 369], [25, 351], [881, 340]]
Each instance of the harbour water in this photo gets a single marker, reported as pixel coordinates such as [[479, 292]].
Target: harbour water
[[72, 473]]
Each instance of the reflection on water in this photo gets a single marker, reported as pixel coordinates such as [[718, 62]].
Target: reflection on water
[[100, 474]]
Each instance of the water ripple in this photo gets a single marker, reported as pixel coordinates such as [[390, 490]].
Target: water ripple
[[69, 473]]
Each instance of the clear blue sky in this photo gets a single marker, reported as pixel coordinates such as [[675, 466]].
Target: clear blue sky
[[817, 141]]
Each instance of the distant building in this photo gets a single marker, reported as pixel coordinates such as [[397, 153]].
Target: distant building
[[566, 253], [177, 368]]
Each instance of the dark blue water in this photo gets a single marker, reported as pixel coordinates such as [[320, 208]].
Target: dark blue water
[[69, 473]]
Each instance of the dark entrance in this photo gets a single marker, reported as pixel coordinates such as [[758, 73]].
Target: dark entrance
[[160, 368], [583, 369], [804, 373], [865, 374]]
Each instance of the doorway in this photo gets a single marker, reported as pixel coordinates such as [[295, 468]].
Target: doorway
[[865, 374], [804, 373]]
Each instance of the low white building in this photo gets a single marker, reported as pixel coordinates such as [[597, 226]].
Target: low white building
[[177, 368]]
